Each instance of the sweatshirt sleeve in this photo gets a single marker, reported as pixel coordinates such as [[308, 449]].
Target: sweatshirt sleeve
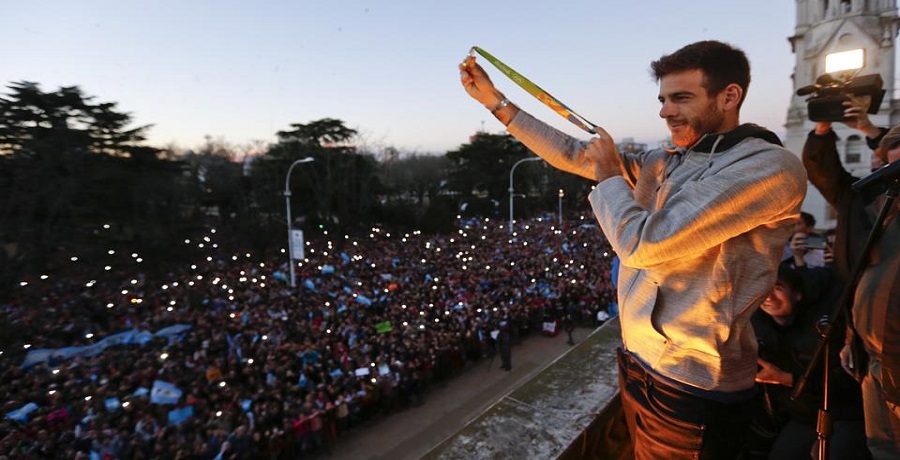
[[765, 187], [561, 150]]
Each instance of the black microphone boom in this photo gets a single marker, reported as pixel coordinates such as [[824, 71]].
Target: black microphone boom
[[882, 176], [808, 89]]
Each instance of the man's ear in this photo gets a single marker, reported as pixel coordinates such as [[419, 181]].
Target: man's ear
[[731, 96]]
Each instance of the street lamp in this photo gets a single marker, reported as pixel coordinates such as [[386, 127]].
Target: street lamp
[[562, 193], [512, 190], [287, 198]]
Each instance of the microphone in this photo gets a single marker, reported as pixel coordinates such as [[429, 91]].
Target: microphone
[[882, 176], [808, 89]]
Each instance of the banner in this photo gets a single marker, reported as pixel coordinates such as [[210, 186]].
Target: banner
[[122, 338], [298, 251], [21, 414], [383, 327]]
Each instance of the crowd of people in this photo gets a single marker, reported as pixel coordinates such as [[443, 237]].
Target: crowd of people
[[251, 368]]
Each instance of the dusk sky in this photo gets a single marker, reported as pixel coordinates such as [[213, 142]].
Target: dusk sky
[[242, 70]]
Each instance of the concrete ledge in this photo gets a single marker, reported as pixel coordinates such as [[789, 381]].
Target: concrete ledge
[[569, 410]]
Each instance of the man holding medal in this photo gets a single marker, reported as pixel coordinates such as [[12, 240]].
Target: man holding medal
[[699, 230]]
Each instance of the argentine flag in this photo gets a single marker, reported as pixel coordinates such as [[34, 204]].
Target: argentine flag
[[178, 416], [164, 393], [21, 414]]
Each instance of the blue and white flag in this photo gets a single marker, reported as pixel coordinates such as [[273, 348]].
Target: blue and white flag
[[336, 373], [112, 404], [345, 258], [309, 284], [328, 269], [21, 414], [363, 300], [164, 393], [178, 416], [141, 391], [246, 404]]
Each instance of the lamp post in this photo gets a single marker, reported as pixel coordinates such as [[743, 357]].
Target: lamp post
[[562, 193], [287, 198], [512, 190]]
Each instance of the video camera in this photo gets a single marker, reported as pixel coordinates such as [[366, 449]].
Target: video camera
[[833, 88]]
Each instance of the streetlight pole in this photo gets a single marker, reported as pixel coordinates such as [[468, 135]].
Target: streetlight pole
[[287, 198], [562, 193], [512, 190]]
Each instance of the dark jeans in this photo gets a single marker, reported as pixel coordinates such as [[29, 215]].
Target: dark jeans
[[667, 423]]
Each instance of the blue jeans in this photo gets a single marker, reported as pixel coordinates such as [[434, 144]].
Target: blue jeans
[[667, 423]]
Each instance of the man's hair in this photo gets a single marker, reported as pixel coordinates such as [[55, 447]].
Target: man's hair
[[808, 219], [890, 141], [789, 277], [721, 63]]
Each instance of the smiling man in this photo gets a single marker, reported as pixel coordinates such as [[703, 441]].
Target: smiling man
[[699, 231]]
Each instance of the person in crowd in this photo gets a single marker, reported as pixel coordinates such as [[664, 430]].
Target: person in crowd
[[699, 230], [800, 252], [876, 301], [256, 360], [787, 326]]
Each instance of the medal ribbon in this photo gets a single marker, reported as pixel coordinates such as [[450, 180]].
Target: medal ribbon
[[536, 91]]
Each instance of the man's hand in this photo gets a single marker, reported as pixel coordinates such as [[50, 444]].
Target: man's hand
[[770, 373], [478, 84], [601, 152], [847, 360]]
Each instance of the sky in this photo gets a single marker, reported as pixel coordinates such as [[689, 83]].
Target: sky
[[241, 71]]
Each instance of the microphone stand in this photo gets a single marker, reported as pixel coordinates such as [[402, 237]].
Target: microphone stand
[[826, 330]]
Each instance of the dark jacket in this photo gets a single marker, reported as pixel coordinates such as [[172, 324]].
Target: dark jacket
[[855, 219]]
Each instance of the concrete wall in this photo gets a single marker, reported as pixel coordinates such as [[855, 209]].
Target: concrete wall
[[570, 410]]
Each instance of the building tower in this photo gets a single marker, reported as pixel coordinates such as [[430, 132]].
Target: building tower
[[831, 26]]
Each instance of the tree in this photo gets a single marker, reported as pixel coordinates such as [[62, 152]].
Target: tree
[[69, 166], [481, 171], [338, 190]]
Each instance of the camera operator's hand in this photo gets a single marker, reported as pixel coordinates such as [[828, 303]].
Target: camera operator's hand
[[856, 116]]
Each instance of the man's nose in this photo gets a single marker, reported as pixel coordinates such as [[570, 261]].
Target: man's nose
[[667, 110]]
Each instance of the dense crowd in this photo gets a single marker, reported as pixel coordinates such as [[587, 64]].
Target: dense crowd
[[251, 368]]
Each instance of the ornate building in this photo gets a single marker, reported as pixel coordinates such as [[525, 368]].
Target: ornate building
[[830, 26]]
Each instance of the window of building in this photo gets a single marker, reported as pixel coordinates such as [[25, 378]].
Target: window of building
[[853, 152]]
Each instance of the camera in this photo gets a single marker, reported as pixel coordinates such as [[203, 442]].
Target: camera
[[830, 93]]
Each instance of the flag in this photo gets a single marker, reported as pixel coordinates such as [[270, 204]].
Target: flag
[[21, 414], [336, 373], [112, 404], [328, 269], [164, 393], [246, 404], [178, 416], [383, 327], [309, 284], [363, 300], [141, 391]]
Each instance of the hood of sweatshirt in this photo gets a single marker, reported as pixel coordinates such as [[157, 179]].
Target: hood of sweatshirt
[[719, 142]]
